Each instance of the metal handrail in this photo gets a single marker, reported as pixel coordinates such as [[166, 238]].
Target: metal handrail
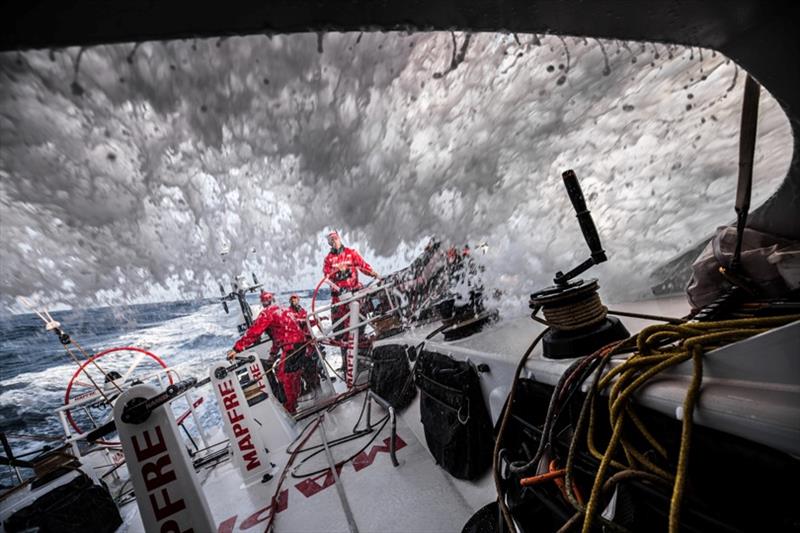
[[392, 419]]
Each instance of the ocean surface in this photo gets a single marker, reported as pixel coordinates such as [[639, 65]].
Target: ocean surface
[[35, 368]]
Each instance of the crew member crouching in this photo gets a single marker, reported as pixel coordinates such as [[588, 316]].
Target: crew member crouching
[[287, 338]]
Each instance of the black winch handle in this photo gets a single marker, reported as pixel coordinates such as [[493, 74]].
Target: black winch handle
[[584, 216], [102, 431], [238, 363], [598, 255], [137, 410]]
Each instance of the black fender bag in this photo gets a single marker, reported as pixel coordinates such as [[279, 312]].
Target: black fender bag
[[457, 426], [391, 375]]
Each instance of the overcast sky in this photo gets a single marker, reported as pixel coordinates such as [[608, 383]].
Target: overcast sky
[[126, 169]]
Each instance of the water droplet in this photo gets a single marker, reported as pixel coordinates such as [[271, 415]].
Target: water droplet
[[76, 88], [628, 107], [550, 68]]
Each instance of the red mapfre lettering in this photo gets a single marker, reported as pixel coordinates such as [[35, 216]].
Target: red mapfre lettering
[[251, 458], [154, 474], [239, 430], [259, 516], [157, 475], [234, 416], [230, 402], [365, 459], [151, 448], [309, 487], [226, 387], [227, 526], [169, 508]]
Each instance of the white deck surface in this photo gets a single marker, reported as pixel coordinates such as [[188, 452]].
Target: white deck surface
[[416, 496]]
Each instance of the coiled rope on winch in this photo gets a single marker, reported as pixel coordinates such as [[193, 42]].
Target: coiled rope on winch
[[567, 310], [658, 348]]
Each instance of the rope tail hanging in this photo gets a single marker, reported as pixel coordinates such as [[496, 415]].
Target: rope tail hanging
[[658, 348]]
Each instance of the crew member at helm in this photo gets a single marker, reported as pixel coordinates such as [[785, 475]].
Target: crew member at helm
[[287, 337], [341, 266]]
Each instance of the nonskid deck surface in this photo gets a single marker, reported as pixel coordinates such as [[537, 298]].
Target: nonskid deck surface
[[415, 496]]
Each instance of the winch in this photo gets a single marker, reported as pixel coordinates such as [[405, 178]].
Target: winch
[[572, 308]]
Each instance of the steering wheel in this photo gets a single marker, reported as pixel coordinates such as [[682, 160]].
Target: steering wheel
[[128, 365], [318, 322]]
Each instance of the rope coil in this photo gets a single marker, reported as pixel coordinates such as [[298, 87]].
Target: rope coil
[[688, 342], [571, 307], [576, 315]]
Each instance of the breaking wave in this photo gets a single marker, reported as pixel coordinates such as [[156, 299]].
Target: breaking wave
[[126, 169]]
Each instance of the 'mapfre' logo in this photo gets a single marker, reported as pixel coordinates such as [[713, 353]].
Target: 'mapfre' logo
[[159, 478], [241, 433]]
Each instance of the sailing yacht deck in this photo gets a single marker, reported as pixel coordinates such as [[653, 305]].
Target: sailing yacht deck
[[417, 495]]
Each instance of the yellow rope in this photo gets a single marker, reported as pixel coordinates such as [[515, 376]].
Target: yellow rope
[[644, 431], [658, 348], [594, 500], [686, 434]]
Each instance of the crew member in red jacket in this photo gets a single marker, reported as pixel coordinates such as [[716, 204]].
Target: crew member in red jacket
[[298, 314], [311, 372], [341, 266], [286, 337]]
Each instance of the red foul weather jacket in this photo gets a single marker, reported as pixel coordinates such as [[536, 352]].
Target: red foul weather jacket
[[278, 323], [299, 316], [342, 268]]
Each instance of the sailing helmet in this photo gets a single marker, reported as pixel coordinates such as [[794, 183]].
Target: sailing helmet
[[266, 297]]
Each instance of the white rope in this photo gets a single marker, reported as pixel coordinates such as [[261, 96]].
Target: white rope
[[49, 323]]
